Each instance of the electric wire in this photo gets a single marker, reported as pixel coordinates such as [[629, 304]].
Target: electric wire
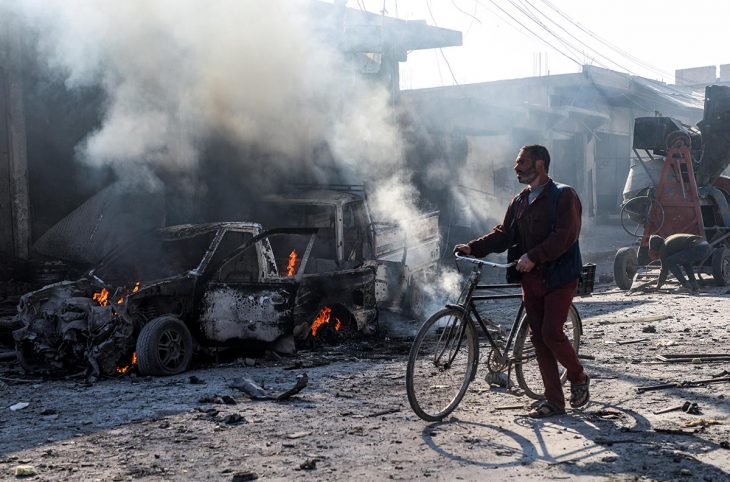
[[443, 55], [529, 5], [561, 52], [557, 37], [615, 48]]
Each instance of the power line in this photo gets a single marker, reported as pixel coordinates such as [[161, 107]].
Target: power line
[[533, 33], [472, 16], [622, 67], [536, 20], [448, 65], [620, 51]]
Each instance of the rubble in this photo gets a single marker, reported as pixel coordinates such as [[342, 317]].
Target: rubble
[[253, 390], [362, 432]]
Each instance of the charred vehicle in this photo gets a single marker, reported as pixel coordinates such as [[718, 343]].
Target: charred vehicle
[[348, 236], [190, 287]]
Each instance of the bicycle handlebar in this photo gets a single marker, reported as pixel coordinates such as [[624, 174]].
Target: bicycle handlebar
[[486, 263]]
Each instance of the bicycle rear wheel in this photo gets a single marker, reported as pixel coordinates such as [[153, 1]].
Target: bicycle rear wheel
[[441, 364], [526, 369]]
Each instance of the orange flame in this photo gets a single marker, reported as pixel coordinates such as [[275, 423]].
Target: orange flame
[[322, 319], [101, 297], [291, 267], [121, 298], [125, 369]]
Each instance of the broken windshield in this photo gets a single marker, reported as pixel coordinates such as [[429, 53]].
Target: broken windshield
[[150, 257]]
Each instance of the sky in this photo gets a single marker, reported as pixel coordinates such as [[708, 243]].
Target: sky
[[650, 38]]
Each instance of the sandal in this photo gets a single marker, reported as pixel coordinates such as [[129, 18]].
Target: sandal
[[545, 409], [579, 393]]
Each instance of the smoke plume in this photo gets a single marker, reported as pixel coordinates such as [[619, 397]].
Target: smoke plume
[[258, 74]]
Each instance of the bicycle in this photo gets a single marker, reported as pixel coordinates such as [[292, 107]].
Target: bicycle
[[447, 346]]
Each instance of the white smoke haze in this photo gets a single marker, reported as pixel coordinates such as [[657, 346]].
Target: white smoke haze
[[254, 72]]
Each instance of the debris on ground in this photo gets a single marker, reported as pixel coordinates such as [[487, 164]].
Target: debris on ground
[[18, 406], [687, 407], [25, 471], [244, 476], [702, 422], [256, 392]]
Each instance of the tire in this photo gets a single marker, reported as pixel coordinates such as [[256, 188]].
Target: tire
[[441, 364], [625, 265], [721, 266], [164, 347], [526, 369]]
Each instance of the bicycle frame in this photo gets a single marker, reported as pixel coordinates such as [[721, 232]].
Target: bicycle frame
[[468, 307]]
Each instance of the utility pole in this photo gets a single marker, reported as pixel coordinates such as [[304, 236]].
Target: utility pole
[[14, 197]]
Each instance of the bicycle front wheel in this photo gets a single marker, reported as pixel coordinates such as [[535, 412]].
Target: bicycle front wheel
[[526, 369], [441, 364]]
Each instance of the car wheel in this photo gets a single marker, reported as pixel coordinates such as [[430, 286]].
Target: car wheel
[[164, 347], [625, 265], [721, 266]]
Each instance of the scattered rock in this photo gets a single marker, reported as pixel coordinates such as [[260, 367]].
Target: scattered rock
[[195, 380], [244, 476], [649, 329], [309, 464], [296, 435], [234, 419], [18, 406], [25, 471]]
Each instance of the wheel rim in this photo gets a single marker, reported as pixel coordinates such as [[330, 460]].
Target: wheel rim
[[440, 366], [171, 349], [526, 367], [636, 214]]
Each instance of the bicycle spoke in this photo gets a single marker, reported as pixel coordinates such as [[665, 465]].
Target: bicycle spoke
[[527, 370], [440, 364]]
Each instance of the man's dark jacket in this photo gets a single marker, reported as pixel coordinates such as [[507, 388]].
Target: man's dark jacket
[[534, 227]]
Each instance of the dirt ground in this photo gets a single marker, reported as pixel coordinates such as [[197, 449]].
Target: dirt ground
[[353, 420]]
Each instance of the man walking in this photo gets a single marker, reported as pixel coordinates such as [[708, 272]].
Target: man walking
[[677, 251], [541, 229]]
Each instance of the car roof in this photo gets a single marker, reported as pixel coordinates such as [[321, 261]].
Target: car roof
[[181, 231], [324, 196]]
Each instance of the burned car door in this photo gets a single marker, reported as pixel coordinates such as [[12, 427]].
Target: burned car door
[[243, 299]]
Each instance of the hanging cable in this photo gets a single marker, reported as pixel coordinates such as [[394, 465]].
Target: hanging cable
[[529, 6], [569, 57], [448, 65], [620, 51], [557, 37]]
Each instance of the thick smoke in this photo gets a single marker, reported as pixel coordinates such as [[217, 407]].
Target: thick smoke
[[259, 74]]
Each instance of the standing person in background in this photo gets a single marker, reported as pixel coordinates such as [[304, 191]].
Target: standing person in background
[[541, 230], [676, 252]]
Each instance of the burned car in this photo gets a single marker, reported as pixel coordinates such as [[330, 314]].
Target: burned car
[[181, 288]]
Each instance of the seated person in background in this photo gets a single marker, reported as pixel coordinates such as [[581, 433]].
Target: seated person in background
[[677, 251]]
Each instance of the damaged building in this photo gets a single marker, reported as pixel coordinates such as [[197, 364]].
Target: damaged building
[[585, 119]]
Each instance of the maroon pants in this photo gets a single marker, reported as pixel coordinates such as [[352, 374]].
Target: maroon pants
[[547, 310]]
